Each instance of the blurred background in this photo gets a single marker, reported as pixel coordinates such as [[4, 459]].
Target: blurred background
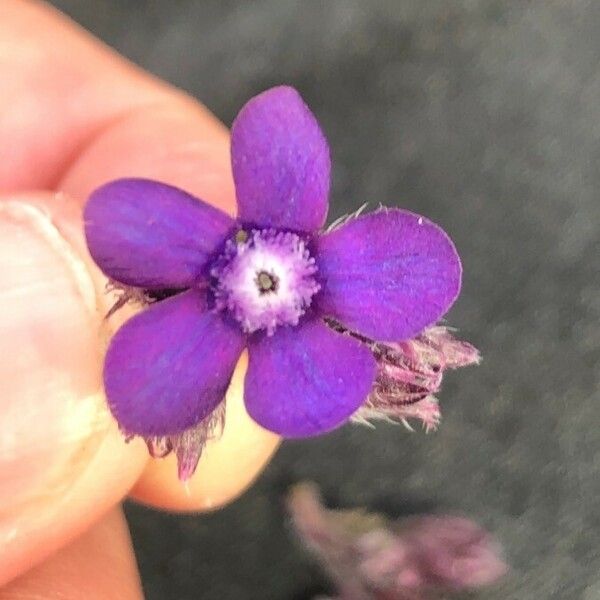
[[483, 115]]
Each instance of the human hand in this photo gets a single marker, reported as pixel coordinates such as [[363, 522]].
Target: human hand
[[74, 115]]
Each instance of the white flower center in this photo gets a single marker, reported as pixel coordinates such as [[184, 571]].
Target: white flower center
[[265, 279]]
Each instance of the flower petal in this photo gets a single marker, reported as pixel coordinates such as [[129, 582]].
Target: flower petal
[[152, 235], [168, 367], [388, 274], [306, 380], [280, 161]]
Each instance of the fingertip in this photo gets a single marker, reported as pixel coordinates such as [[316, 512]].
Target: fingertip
[[62, 460]]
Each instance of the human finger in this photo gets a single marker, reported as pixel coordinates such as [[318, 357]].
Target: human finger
[[99, 565]]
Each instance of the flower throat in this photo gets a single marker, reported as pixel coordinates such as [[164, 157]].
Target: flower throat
[[265, 278]]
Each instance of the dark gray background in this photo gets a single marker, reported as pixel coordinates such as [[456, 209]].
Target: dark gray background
[[485, 116]]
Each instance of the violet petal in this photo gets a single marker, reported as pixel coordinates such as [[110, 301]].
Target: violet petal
[[152, 235], [388, 274], [306, 380], [280, 161], [168, 367]]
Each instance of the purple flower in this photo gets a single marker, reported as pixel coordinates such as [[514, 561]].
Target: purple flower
[[271, 281], [416, 558]]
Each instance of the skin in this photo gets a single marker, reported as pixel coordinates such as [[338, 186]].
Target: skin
[[73, 114]]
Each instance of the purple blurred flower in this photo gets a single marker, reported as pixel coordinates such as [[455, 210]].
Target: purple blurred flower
[[271, 281], [370, 558]]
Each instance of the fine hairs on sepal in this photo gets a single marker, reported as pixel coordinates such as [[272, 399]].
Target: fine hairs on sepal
[[410, 373], [189, 445]]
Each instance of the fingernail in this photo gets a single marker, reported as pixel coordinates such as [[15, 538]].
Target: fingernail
[[49, 354]]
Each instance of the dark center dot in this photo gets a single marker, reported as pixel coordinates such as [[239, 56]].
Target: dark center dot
[[266, 282], [241, 237]]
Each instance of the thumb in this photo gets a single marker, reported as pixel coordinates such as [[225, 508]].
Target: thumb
[[62, 460]]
